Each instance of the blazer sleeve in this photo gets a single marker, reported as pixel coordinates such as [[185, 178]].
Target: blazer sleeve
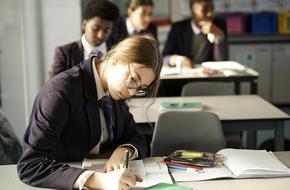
[[220, 51], [59, 62], [153, 30], [38, 165], [131, 135], [171, 44]]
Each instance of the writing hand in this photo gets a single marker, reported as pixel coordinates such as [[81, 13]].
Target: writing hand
[[117, 160], [120, 179]]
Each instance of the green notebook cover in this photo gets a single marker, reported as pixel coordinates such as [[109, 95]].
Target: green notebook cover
[[167, 186], [181, 105]]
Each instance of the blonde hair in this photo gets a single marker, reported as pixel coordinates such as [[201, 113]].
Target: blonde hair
[[140, 49]]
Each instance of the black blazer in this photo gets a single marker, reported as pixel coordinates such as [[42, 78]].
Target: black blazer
[[64, 126], [179, 41], [119, 31], [66, 57]]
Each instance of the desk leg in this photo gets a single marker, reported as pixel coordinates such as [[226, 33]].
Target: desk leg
[[237, 87], [279, 136], [251, 139], [254, 87]]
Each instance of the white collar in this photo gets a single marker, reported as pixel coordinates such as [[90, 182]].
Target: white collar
[[196, 30], [88, 48], [130, 27], [100, 90]]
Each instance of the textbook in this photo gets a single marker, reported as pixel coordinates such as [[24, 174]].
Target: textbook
[[183, 106], [152, 171], [239, 163]]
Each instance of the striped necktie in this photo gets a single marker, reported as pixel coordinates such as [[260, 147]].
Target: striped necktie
[[135, 32], [96, 53]]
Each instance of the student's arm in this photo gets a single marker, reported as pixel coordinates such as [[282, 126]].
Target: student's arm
[[153, 30], [171, 56], [171, 45], [129, 133], [59, 62], [37, 165], [221, 49]]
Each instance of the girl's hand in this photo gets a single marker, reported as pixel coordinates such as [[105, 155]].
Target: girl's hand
[[120, 179], [117, 160]]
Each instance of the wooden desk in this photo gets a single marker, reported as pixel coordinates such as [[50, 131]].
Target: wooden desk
[[9, 180], [248, 113], [171, 84]]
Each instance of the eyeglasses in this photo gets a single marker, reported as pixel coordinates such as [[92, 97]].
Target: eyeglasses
[[132, 85]]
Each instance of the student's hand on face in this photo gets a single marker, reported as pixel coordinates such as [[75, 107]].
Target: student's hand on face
[[121, 179], [208, 27]]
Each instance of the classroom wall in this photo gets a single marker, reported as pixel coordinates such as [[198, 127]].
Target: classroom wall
[[61, 24], [12, 65], [30, 30]]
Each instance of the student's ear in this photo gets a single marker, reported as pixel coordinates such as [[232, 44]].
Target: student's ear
[[129, 11], [191, 10], [84, 24]]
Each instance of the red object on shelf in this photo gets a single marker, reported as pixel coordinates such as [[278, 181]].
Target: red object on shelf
[[236, 22], [160, 21]]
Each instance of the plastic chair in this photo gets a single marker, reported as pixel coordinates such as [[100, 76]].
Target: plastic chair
[[197, 131], [207, 88]]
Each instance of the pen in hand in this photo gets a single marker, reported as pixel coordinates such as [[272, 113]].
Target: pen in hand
[[127, 158]]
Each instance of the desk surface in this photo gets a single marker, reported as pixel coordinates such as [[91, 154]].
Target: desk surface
[[198, 74], [9, 180], [236, 107]]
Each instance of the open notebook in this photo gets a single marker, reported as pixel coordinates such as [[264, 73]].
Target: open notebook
[[239, 163], [150, 170], [226, 67]]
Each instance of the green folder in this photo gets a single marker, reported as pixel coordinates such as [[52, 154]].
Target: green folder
[[181, 105], [167, 186]]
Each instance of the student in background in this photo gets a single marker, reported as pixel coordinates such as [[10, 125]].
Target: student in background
[[137, 21], [10, 148], [82, 111], [98, 19], [201, 38]]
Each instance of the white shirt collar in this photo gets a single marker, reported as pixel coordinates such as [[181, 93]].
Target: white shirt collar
[[196, 30], [130, 27], [88, 48], [100, 90]]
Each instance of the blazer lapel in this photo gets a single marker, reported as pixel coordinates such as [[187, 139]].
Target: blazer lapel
[[92, 104], [94, 121], [118, 126], [77, 54], [188, 39]]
